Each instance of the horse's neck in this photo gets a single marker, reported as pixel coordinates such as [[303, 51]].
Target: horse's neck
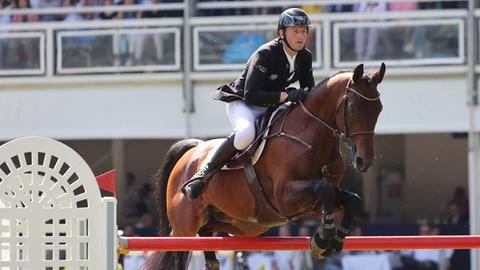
[[323, 104], [324, 101]]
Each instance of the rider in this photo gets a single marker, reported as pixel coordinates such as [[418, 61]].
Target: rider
[[263, 84]]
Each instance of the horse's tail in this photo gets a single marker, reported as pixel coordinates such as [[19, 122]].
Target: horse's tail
[[160, 179], [168, 260]]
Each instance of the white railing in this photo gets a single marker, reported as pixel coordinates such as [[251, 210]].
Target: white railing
[[52, 37], [219, 40], [32, 43], [111, 42], [421, 51], [332, 47]]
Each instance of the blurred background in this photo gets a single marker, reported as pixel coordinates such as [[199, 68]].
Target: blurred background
[[120, 80]]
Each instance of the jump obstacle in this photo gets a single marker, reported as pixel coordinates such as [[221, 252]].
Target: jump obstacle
[[52, 216]]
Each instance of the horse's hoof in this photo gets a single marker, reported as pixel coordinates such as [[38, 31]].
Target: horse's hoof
[[212, 265], [320, 247]]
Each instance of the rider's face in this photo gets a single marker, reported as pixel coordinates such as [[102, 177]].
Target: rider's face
[[296, 36]]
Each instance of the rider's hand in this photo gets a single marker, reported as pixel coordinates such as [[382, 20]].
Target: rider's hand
[[283, 97], [297, 95]]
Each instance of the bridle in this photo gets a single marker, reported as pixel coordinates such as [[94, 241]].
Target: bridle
[[338, 134], [344, 136]]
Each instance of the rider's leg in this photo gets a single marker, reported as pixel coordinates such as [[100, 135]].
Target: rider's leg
[[223, 154], [242, 117]]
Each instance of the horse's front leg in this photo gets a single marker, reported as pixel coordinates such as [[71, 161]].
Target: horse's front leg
[[321, 245], [352, 205], [299, 192]]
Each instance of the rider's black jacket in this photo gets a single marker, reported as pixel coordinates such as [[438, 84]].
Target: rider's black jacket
[[266, 75]]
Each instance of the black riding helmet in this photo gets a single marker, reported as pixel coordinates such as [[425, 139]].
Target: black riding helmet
[[293, 17]]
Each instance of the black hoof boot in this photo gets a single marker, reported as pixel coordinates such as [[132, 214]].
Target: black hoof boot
[[338, 243], [194, 189], [320, 248]]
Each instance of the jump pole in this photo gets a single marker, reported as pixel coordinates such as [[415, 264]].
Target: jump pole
[[295, 243]]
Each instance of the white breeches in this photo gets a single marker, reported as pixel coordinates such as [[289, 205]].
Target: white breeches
[[242, 118]]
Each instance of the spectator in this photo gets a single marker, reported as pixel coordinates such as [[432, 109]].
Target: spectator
[[351, 260], [338, 8], [457, 223], [146, 226], [23, 49], [409, 36], [129, 231], [454, 4], [427, 259], [130, 196], [80, 47], [157, 38], [19, 18], [302, 260], [73, 16], [145, 203], [124, 44], [367, 38], [172, 13], [50, 4], [111, 15], [313, 9], [455, 215], [461, 199], [90, 3], [4, 19], [402, 6], [108, 15], [283, 259]]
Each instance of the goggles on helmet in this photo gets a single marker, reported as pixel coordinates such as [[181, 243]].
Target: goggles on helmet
[[295, 20]]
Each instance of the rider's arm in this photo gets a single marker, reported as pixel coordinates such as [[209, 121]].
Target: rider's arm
[[255, 81]]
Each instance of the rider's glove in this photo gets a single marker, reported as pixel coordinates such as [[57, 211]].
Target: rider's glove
[[296, 95]]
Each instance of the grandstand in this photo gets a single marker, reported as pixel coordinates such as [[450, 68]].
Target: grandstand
[[120, 81]]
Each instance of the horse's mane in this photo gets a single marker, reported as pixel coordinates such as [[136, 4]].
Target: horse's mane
[[324, 81]]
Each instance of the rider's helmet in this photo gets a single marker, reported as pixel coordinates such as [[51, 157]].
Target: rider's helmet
[[293, 17]]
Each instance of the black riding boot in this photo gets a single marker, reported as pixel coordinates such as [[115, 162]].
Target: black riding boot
[[197, 183]]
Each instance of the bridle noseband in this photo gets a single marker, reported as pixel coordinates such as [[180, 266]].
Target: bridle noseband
[[346, 135]]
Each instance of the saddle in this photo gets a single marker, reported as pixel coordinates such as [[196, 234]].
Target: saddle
[[254, 151]]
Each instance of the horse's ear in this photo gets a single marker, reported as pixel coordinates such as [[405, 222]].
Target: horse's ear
[[357, 73], [377, 77]]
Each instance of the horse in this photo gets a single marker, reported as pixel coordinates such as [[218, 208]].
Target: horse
[[344, 107]]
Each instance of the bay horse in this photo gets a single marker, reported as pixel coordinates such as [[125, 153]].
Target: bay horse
[[300, 171]]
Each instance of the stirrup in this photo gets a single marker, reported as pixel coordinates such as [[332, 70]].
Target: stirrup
[[200, 175]]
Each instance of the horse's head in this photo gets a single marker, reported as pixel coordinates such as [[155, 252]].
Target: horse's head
[[357, 115]]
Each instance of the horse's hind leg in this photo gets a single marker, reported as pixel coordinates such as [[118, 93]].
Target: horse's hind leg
[[211, 262], [352, 205], [186, 221]]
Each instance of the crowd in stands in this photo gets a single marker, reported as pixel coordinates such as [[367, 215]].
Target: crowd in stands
[[80, 16], [363, 6], [126, 49]]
